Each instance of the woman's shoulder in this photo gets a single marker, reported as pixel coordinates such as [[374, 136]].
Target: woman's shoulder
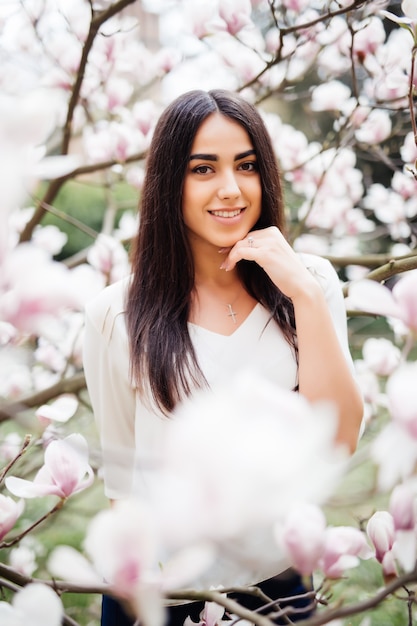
[[102, 310], [322, 269], [315, 262]]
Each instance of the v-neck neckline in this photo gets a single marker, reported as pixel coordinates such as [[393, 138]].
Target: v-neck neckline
[[232, 334]]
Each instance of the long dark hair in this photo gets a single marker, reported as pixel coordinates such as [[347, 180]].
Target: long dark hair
[[163, 360]]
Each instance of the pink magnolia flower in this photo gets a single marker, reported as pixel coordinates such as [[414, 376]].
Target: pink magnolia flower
[[211, 615], [36, 604], [23, 558], [33, 301], [400, 303], [109, 257], [395, 453], [303, 537], [124, 550], [380, 530], [343, 547], [375, 129], [402, 397], [389, 565], [381, 355], [402, 506], [10, 511], [60, 410], [330, 96], [65, 471], [203, 18], [236, 14], [408, 150], [408, 20], [233, 495]]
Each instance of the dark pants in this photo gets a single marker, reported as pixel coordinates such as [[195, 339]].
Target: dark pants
[[286, 585]]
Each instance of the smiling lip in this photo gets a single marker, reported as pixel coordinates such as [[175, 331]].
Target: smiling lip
[[227, 213]]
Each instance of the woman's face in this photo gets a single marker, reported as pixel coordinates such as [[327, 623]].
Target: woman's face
[[222, 195]]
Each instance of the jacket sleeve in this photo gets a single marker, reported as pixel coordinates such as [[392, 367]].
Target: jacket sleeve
[[112, 396]]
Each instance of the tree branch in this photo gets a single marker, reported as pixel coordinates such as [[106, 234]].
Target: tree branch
[[98, 19], [74, 384]]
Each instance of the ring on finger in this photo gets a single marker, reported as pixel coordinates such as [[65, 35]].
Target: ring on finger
[[250, 242]]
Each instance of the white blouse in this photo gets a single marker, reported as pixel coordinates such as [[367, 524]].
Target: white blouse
[[130, 430]]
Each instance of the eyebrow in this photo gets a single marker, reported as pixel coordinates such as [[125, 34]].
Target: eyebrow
[[214, 157]]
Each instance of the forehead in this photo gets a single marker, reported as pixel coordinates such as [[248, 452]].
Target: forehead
[[219, 134]]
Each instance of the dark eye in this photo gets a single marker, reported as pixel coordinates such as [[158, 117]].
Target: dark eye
[[202, 169], [249, 166]]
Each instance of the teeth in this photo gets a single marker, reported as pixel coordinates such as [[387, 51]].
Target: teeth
[[226, 213]]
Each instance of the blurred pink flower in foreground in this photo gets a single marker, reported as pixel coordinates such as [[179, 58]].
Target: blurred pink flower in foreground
[[10, 511], [35, 290], [235, 461], [395, 448], [65, 471], [123, 546], [400, 303], [35, 604]]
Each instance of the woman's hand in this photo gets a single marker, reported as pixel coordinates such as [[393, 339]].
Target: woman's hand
[[271, 251]]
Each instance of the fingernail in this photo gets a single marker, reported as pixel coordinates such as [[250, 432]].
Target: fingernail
[[224, 266]]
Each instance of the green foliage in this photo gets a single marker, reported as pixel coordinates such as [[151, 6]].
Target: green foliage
[[81, 204]]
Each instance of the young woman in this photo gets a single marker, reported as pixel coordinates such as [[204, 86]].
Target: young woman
[[214, 280]]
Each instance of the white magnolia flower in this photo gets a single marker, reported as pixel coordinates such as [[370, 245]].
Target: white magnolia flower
[[36, 604]]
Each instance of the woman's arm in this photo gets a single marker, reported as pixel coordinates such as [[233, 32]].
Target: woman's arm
[[325, 367]]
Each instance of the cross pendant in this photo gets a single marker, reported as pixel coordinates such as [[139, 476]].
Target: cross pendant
[[232, 313]]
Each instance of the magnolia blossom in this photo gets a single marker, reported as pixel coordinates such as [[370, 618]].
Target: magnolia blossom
[[60, 410], [33, 300], [395, 454], [109, 257], [203, 17], [409, 19], [236, 14], [381, 355], [311, 545], [211, 615], [329, 96], [23, 557], [36, 604], [408, 150], [10, 511], [65, 471], [402, 397], [231, 495], [50, 238], [402, 506], [124, 550], [343, 548], [375, 129], [400, 303], [303, 537], [380, 530]]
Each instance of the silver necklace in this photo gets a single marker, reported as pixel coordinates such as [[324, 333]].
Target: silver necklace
[[231, 313]]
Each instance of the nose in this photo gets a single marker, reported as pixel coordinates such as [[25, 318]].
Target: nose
[[228, 187]]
